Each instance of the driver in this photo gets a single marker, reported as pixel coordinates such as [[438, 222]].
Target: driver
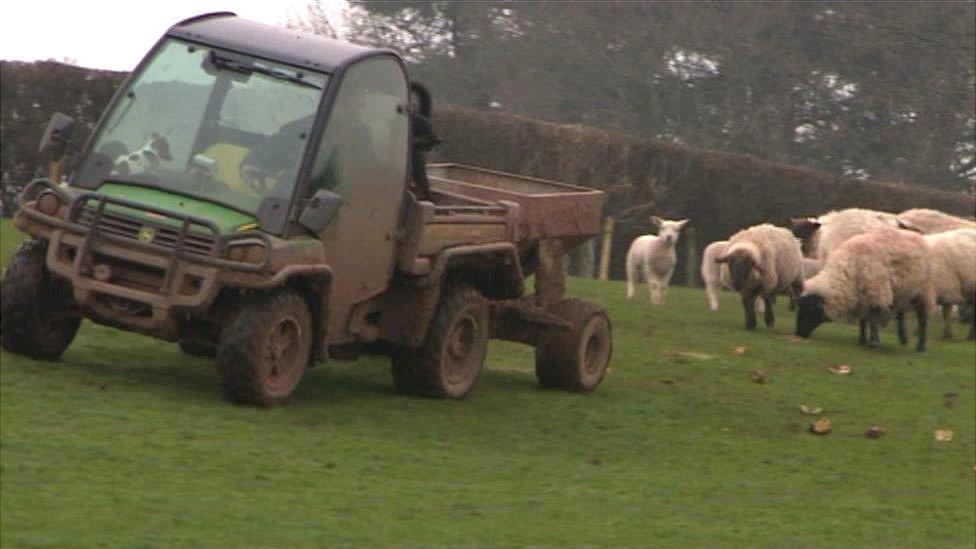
[[268, 161]]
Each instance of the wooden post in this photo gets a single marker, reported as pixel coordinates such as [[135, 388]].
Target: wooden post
[[691, 256], [605, 250], [550, 278]]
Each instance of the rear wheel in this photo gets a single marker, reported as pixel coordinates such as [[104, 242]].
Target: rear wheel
[[265, 350], [453, 354], [575, 359], [38, 315]]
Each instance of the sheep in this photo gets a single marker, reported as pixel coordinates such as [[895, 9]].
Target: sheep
[[953, 260], [811, 267], [716, 276], [763, 261], [654, 257], [711, 272], [933, 221], [823, 234], [868, 277]]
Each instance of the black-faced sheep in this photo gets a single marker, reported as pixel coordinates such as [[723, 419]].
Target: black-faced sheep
[[763, 261], [823, 234], [953, 258], [869, 277]]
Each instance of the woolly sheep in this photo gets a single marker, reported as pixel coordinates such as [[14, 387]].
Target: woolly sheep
[[654, 257], [933, 221], [811, 267], [763, 261], [867, 278], [823, 234], [953, 260], [716, 276]]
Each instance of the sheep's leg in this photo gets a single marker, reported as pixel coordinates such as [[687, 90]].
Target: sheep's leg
[[768, 316], [652, 283], [874, 318], [711, 290], [902, 332], [863, 338], [749, 304], [946, 321], [923, 325]]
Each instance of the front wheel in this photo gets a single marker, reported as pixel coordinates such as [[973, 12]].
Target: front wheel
[[264, 351], [453, 354], [576, 358], [38, 315]]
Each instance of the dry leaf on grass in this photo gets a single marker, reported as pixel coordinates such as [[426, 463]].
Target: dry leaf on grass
[[875, 431], [758, 376], [821, 427], [696, 355], [943, 435], [741, 350], [810, 410], [839, 369]]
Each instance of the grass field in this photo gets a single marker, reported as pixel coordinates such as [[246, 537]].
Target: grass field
[[126, 441]]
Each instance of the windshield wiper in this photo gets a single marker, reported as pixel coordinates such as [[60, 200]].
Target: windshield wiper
[[246, 66]]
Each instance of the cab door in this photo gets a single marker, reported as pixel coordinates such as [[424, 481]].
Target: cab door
[[362, 156]]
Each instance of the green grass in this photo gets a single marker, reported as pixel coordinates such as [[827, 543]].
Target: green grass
[[126, 441]]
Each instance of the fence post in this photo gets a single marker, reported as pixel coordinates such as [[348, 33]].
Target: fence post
[[605, 249], [691, 256]]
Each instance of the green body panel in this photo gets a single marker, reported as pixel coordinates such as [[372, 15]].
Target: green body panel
[[226, 219]]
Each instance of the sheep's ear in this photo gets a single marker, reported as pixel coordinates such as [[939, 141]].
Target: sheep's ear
[[681, 223], [655, 221], [908, 226]]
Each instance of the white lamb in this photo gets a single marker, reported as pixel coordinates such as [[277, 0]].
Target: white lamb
[[869, 277], [654, 258], [933, 221], [953, 257], [823, 234], [763, 261]]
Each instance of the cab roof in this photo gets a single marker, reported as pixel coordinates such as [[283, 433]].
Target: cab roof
[[226, 30]]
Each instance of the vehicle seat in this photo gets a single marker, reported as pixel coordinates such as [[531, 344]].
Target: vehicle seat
[[229, 157]]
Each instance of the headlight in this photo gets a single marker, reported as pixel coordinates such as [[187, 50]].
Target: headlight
[[48, 203]]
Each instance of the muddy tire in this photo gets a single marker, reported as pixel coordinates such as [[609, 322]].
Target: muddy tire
[[447, 365], [38, 315], [575, 359], [198, 348], [266, 348]]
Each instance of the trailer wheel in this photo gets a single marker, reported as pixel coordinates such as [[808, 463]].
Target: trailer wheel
[[575, 359], [266, 349], [38, 316], [453, 354]]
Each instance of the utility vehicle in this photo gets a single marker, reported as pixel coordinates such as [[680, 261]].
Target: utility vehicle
[[248, 193]]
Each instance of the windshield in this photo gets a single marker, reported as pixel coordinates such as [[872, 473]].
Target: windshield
[[208, 123]]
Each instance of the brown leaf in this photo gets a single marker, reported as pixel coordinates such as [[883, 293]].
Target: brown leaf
[[943, 435], [821, 426], [758, 376], [839, 369], [810, 410], [875, 431], [740, 350]]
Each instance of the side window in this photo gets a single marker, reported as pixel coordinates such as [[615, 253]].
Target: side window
[[364, 146]]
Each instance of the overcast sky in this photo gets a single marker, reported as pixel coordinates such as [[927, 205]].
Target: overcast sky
[[115, 34]]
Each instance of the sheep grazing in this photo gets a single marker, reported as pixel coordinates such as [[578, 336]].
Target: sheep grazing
[[933, 221], [654, 257], [868, 277], [763, 261], [822, 235], [953, 259]]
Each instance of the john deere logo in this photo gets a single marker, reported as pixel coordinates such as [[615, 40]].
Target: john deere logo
[[147, 233]]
